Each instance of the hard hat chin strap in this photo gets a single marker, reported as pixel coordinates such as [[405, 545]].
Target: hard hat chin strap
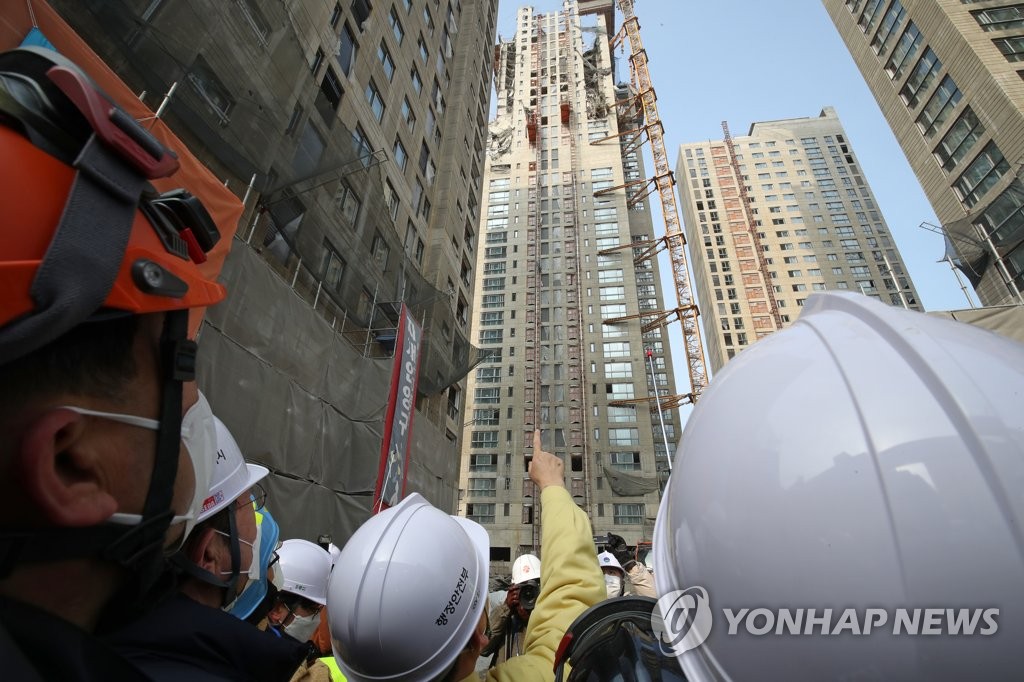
[[189, 568], [138, 548]]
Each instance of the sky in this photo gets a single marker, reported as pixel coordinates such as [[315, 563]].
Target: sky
[[744, 61]]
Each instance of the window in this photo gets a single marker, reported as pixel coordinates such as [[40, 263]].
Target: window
[[347, 48], [396, 26], [625, 461], [618, 370], [210, 88], [483, 439], [401, 157], [960, 139], [482, 487], [417, 83], [484, 462], [1000, 18], [493, 301], [487, 395], [333, 269], [407, 114], [360, 144], [391, 200], [921, 78], [619, 391], [616, 349], [375, 100], [889, 28], [380, 250], [626, 436], [422, 45], [481, 513], [489, 336], [1011, 47], [940, 105], [347, 202], [981, 175], [335, 15], [1003, 220], [627, 514], [385, 60], [612, 293], [904, 52], [492, 319], [317, 61]]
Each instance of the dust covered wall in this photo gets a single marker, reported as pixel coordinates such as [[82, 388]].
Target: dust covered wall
[[302, 401]]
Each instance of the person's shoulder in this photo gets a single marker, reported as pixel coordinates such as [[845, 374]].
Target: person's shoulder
[[36, 645]]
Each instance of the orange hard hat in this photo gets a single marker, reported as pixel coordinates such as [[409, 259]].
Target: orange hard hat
[[84, 231]]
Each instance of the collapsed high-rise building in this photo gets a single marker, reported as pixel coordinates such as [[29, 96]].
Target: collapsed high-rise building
[[559, 296]]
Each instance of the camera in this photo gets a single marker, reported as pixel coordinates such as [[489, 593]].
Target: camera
[[528, 593]]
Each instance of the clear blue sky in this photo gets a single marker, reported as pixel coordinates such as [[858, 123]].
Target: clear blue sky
[[750, 60]]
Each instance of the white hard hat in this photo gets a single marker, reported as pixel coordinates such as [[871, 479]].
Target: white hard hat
[[608, 560], [231, 476], [865, 457], [526, 567], [407, 593], [304, 567]]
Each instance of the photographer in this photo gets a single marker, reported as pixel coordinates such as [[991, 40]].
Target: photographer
[[509, 618], [617, 564]]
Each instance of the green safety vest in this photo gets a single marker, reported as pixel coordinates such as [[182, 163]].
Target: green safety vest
[[332, 665]]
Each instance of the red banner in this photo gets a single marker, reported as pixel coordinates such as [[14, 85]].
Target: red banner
[[394, 450]]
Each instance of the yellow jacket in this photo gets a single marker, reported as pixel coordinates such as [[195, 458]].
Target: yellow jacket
[[571, 582]]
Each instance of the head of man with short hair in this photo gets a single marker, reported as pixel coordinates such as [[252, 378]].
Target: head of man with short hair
[[98, 272]]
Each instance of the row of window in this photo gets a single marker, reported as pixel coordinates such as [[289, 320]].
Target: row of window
[[622, 514]]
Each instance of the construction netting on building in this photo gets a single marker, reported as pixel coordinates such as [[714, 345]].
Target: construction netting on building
[[298, 361]]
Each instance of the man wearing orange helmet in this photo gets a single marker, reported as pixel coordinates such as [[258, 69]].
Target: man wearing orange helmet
[[99, 467]]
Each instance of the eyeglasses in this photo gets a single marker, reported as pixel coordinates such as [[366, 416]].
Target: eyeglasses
[[257, 498], [302, 608]]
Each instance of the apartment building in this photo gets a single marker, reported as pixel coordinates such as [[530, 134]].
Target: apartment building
[[948, 76], [774, 216], [556, 286]]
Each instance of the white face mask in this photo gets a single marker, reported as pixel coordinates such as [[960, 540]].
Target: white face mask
[[613, 585], [303, 627], [124, 518], [253, 572]]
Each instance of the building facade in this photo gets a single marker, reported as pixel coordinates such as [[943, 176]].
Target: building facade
[[556, 284], [774, 216], [949, 78], [357, 131]]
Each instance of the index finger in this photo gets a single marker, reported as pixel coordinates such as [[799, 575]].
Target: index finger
[[536, 441]]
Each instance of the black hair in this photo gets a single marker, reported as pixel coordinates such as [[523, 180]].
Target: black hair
[[94, 358]]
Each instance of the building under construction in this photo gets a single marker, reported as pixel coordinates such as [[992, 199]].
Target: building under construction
[[776, 215], [356, 132], [561, 293]]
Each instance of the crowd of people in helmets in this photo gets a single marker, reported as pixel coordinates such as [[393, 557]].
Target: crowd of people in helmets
[[864, 456]]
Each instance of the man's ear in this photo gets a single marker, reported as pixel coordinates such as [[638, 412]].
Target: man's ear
[[205, 551], [63, 471]]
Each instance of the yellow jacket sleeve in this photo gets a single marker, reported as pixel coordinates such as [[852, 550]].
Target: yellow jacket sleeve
[[570, 583]]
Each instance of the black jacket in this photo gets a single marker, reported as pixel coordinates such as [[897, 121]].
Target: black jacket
[[36, 645], [185, 640]]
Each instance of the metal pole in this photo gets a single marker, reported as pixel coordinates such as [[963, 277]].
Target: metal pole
[[248, 190], [895, 281], [661, 418], [963, 287], [167, 98], [1001, 265]]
